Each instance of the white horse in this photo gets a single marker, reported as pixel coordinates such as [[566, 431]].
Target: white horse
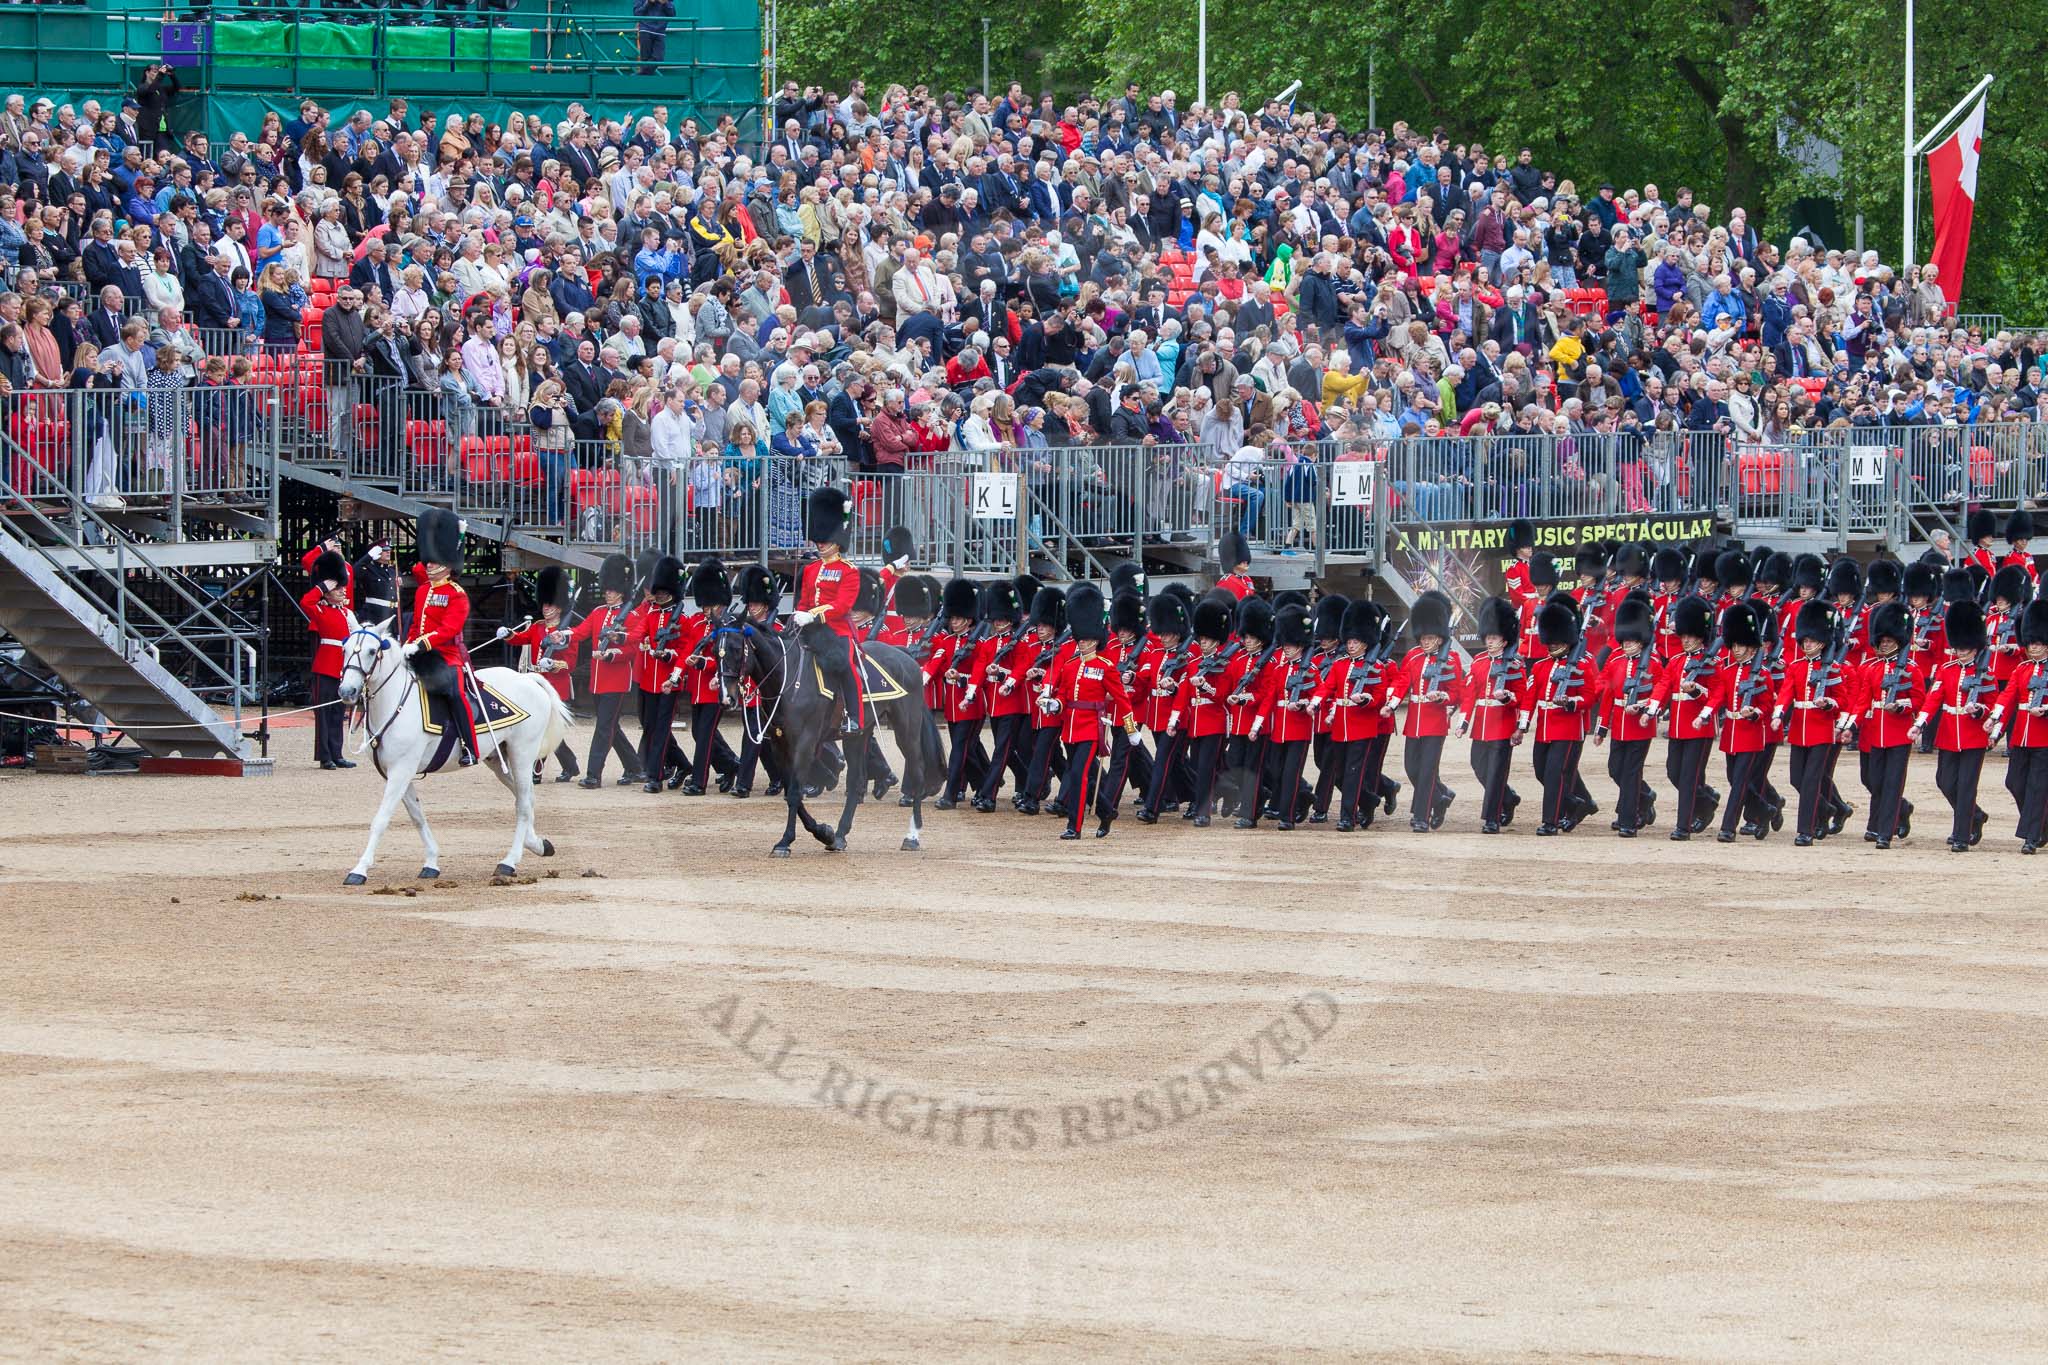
[[374, 669]]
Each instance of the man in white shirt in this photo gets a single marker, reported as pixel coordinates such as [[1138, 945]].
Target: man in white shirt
[[671, 433]]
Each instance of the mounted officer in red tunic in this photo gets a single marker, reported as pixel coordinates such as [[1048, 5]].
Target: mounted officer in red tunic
[[440, 611], [826, 592]]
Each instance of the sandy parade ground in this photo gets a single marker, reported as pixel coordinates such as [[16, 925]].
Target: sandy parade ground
[[1188, 1094]]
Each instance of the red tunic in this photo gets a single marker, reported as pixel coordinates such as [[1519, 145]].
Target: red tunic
[[1809, 719], [654, 660], [535, 639], [1877, 726], [1426, 719], [1558, 709], [2028, 731], [1237, 585], [828, 588], [1745, 734], [440, 611], [1691, 717], [329, 628], [1354, 712], [1494, 711], [1956, 730], [1622, 724], [1046, 665], [606, 675], [1088, 697], [1198, 709], [1287, 722]]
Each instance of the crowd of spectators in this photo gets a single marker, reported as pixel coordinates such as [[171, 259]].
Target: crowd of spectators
[[898, 277]]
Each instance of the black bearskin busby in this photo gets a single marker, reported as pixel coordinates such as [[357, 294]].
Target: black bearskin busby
[[825, 517], [1809, 571], [758, 588], [1431, 615], [1049, 607], [914, 597], [1290, 597], [1845, 579], [1290, 626], [615, 574], [1557, 625], [1085, 616], [551, 588], [1743, 625], [2034, 623], [1691, 616], [1233, 551], [440, 538], [1362, 623], [1127, 614], [898, 545], [2019, 526], [1542, 570], [1922, 581], [1211, 620], [1958, 586], [1329, 616], [1633, 621], [1775, 569], [1126, 577], [709, 588], [1521, 534], [1667, 566], [1891, 621], [1255, 620], [961, 599], [665, 575], [868, 601], [1965, 624], [1632, 561], [1591, 562], [999, 603], [1816, 621], [330, 570], [1027, 586], [1703, 565], [1167, 614], [2011, 585], [1731, 570], [1983, 525], [1885, 578], [1497, 616], [1187, 595]]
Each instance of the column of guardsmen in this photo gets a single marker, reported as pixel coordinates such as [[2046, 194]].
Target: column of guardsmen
[[1228, 705]]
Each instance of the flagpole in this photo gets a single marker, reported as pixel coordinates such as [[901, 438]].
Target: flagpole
[[1906, 259], [1202, 53]]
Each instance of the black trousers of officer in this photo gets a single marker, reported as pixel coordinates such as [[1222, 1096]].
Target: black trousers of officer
[[1002, 754], [1884, 777], [1745, 791], [1685, 762], [328, 720], [657, 715], [1206, 754], [1045, 743], [1329, 767], [2026, 777], [1766, 788], [1081, 781], [1422, 756], [1956, 773], [1813, 767], [1557, 768], [962, 737], [1491, 760], [607, 737], [1625, 761]]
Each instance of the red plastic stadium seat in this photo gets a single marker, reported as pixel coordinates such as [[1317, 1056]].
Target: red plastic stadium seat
[[428, 442], [1759, 472], [640, 506]]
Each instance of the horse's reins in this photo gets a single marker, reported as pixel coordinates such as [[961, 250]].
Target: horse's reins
[[369, 691], [782, 665]]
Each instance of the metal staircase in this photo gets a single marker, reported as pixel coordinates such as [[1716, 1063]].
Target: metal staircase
[[67, 594]]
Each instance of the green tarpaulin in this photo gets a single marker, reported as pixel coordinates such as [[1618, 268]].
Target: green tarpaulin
[[352, 47]]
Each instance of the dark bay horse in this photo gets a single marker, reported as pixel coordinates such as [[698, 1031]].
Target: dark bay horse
[[796, 716]]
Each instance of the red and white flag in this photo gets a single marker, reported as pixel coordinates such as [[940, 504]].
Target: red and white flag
[[1952, 180]]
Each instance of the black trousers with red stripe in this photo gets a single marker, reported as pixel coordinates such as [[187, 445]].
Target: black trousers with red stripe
[[2026, 777], [327, 721], [1884, 777], [1423, 758], [1813, 768], [1292, 756], [1082, 783], [1003, 755], [1557, 768], [1956, 773], [1625, 766], [1491, 759]]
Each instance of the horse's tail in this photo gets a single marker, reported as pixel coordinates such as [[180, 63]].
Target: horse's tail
[[559, 722], [932, 751]]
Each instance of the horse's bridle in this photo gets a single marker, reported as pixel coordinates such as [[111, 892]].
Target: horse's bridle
[[745, 628], [363, 701]]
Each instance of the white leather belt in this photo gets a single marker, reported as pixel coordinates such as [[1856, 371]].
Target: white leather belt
[[330, 640]]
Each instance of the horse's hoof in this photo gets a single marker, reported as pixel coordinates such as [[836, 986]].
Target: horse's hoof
[[823, 836], [354, 879], [838, 844], [779, 851], [428, 874], [547, 848], [912, 846], [506, 870]]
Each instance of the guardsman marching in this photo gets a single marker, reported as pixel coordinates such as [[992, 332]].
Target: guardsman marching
[[1542, 582], [711, 591], [654, 636], [1128, 761], [760, 595], [1242, 687], [603, 629], [2019, 531], [1352, 693], [2009, 592], [1563, 698], [1495, 697], [1667, 573], [1691, 693], [1890, 688], [995, 675], [1290, 715], [2022, 712], [327, 617], [946, 671], [1167, 658], [1087, 693], [1048, 608], [1522, 546], [1959, 702], [1982, 530], [1818, 689], [1627, 688], [440, 612], [1747, 690], [1198, 706], [1431, 684], [550, 649]]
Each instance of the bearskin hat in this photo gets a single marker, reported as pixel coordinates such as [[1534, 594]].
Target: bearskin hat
[[898, 544], [1255, 619], [1211, 620], [1497, 616], [710, 589], [1235, 550], [825, 517], [1891, 621], [1742, 624], [1958, 586], [757, 586], [1329, 616], [1521, 534], [330, 570], [1775, 569], [551, 588], [1703, 565], [1431, 615], [1980, 578], [1845, 579], [2011, 585], [1127, 614], [1692, 616], [1884, 578], [1050, 607], [1557, 624], [1129, 577], [1084, 608], [1542, 570], [961, 599], [1667, 566], [1362, 623], [2019, 526], [1983, 525], [1633, 622], [1290, 597], [666, 576], [1809, 571], [1290, 626], [440, 537], [868, 601], [1731, 569], [1816, 621], [1922, 580], [615, 574], [914, 597], [1167, 614], [643, 567], [1591, 562], [999, 603], [1187, 595], [2034, 623], [1631, 561], [1027, 586], [1965, 623]]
